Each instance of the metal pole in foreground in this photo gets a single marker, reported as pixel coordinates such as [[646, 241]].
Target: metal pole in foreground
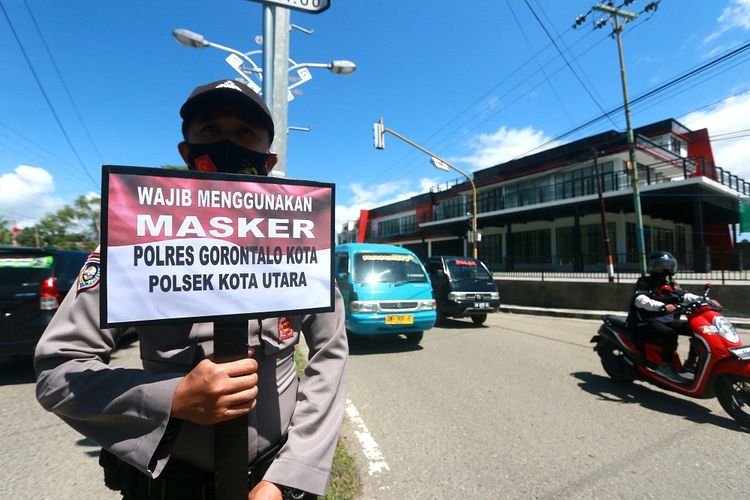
[[268, 39], [231, 436], [280, 87]]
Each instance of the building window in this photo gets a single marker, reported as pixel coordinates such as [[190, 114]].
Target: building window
[[406, 224], [592, 242], [490, 251], [531, 247], [662, 239], [450, 208], [680, 243], [631, 243]]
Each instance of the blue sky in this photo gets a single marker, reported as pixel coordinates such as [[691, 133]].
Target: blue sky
[[477, 82]]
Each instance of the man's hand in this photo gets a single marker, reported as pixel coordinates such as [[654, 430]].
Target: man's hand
[[670, 308], [214, 392], [715, 303], [265, 490]]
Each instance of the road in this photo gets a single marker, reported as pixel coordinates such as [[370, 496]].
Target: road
[[42, 458], [519, 408], [522, 409]]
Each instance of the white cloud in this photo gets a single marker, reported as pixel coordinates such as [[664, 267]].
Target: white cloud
[[27, 195], [504, 145], [737, 15], [379, 194], [730, 115]]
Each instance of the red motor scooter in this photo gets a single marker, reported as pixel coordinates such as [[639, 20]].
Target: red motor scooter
[[723, 363]]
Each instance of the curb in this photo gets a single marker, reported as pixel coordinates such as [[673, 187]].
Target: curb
[[586, 314]]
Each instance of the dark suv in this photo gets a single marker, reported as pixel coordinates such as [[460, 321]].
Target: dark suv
[[462, 287], [33, 283]]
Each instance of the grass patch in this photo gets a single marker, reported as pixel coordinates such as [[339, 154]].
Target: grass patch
[[344, 482], [300, 362]]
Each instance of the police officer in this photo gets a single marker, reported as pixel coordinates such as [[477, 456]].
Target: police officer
[[155, 423]]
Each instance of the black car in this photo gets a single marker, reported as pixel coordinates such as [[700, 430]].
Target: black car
[[462, 287], [33, 283]]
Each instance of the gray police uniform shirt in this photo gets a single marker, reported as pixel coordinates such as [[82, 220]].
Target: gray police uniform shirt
[[127, 410]]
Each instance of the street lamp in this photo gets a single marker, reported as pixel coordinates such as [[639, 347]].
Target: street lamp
[[191, 39], [379, 136], [279, 110]]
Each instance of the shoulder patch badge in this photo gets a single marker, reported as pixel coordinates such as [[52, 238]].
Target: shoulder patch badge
[[286, 330], [91, 273]]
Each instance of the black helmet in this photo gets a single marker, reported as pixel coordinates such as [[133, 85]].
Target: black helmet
[[662, 264]]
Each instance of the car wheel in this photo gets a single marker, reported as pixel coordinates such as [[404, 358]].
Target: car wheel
[[441, 317], [414, 338], [353, 339], [479, 319]]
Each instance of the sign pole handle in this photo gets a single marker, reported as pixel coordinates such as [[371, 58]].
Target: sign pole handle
[[230, 437]]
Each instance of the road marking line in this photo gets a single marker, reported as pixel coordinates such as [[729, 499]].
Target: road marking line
[[370, 448]]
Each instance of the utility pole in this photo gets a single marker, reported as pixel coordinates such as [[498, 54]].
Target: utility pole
[[619, 18], [602, 211]]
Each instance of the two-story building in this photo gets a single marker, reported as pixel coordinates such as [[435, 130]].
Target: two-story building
[[545, 209]]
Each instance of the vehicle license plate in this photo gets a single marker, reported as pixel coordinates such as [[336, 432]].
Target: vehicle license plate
[[482, 305], [395, 319]]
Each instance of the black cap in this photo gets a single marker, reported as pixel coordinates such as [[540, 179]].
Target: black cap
[[233, 91]]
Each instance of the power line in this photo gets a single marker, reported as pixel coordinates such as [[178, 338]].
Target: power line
[[452, 122], [732, 53], [541, 68], [43, 155], [62, 80], [46, 97], [574, 60], [443, 144], [710, 76], [567, 63]]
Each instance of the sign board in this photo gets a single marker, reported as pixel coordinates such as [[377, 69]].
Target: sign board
[[236, 62], [745, 215], [193, 246], [311, 6]]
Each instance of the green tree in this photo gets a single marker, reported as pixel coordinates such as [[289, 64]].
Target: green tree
[[71, 227], [6, 237]]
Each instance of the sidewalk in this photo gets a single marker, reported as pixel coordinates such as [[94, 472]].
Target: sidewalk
[[588, 314]]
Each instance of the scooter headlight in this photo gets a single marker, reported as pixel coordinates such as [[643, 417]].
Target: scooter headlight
[[726, 329]]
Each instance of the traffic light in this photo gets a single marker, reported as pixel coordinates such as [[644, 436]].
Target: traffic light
[[378, 134]]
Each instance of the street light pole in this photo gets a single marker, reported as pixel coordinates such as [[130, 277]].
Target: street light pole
[[279, 103], [275, 77], [268, 39], [380, 130]]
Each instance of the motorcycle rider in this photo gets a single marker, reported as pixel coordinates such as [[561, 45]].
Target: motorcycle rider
[[652, 310]]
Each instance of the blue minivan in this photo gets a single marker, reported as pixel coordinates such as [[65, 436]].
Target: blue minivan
[[386, 290]]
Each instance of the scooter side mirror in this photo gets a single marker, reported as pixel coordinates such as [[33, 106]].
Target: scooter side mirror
[[706, 288]]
